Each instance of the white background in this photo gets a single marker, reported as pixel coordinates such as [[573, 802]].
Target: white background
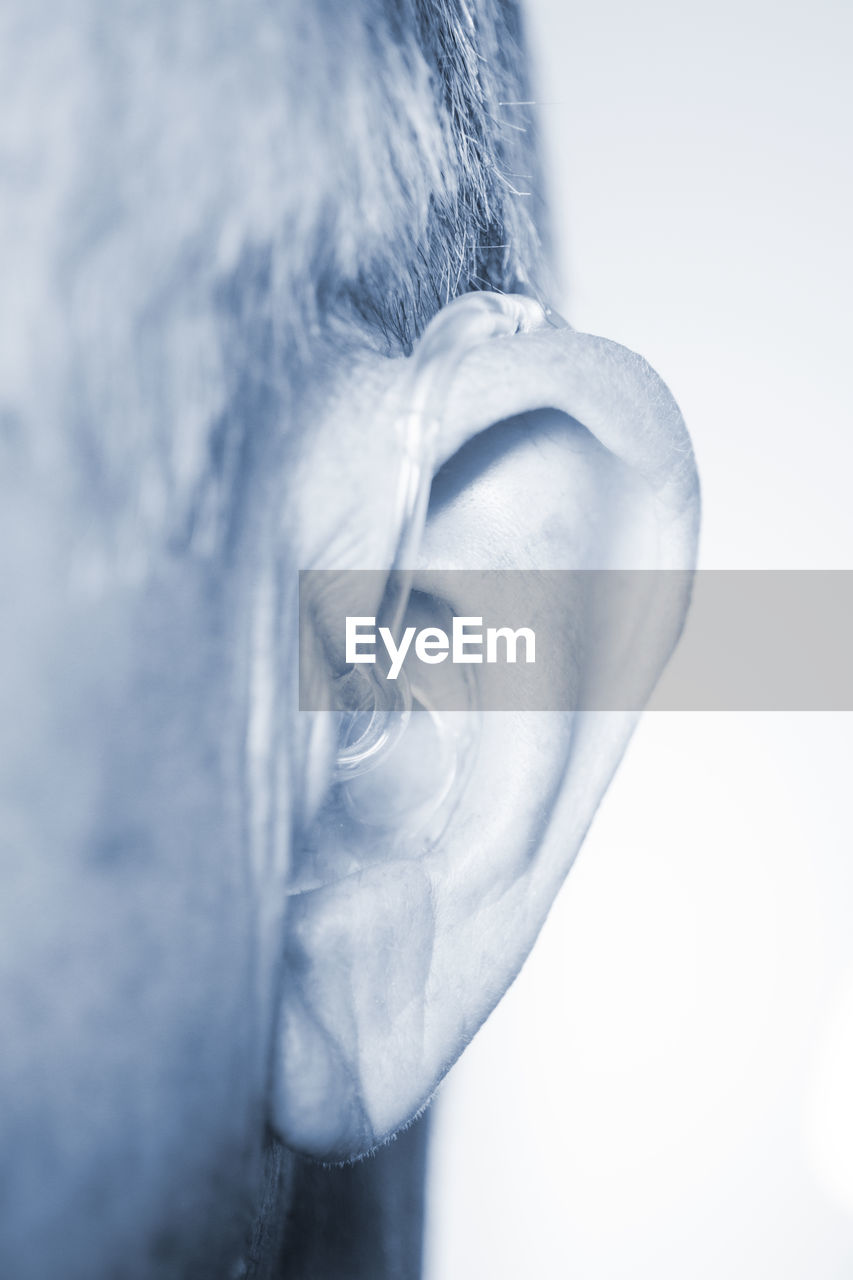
[[667, 1091]]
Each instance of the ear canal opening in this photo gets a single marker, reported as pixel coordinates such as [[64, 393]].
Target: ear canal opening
[[405, 764], [373, 717]]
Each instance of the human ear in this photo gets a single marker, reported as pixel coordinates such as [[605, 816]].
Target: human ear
[[554, 450]]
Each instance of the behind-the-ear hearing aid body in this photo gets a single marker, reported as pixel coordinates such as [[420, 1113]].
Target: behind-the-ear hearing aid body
[[373, 716]]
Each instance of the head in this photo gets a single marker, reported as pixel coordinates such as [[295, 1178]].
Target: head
[[224, 229]]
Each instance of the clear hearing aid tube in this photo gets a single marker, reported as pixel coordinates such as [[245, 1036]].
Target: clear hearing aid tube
[[374, 714]]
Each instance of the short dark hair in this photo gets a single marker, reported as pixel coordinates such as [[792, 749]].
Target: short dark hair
[[207, 185], [476, 224]]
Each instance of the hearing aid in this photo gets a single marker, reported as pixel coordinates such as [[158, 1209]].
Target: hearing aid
[[374, 713]]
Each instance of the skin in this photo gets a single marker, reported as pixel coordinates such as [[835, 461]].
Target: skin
[[133, 1066], [156, 782]]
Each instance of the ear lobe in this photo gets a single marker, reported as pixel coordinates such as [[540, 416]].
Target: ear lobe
[[557, 451]]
